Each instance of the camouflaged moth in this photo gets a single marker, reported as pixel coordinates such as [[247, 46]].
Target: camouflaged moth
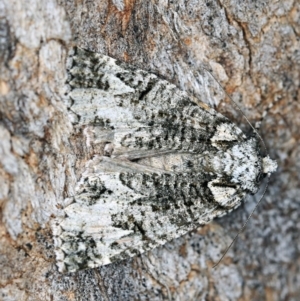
[[167, 164]]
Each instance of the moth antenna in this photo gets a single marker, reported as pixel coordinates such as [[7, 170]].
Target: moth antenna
[[239, 108], [245, 224], [268, 175]]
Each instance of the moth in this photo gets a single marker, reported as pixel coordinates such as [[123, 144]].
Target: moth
[[166, 164]]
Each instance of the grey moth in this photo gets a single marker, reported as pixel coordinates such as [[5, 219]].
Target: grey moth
[[166, 164]]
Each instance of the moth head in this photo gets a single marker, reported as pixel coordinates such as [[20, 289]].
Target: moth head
[[247, 165], [239, 170], [250, 167]]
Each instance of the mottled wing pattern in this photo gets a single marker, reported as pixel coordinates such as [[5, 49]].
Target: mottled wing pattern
[[168, 164]]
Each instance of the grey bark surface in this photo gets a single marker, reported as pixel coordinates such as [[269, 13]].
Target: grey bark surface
[[253, 50]]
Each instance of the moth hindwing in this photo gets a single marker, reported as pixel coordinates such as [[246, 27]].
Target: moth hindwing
[[166, 165]]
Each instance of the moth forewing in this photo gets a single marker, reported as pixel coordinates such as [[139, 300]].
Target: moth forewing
[[167, 164]]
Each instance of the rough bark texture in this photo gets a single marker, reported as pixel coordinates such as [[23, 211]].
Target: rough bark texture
[[253, 49]]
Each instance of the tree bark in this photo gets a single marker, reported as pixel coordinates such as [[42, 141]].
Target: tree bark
[[253, 50]]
